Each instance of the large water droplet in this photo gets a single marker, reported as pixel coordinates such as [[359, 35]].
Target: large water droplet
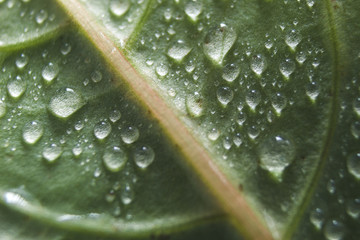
[[119, 7], [276, 153], [353, 165], [144, 156], [65, 103], [253, 98], [32, 132], [21, 61], [287, 67], [225, 95], [52, 153], [292, 39], [16, 87], [218, 42], [127, 194], [2, 109], [193, 9], [178, 50], [334, 230], [258, 64], [194, 105], [130, 134], [230, 72], [317, 218], [50, 72], [102, 129], [114, 159]]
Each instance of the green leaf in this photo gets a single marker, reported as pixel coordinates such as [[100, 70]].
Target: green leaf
[[127, 119]]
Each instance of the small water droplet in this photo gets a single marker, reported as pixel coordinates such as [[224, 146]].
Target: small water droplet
[[52, 153], [230, 72], [21, 61], [334, 230], [162, 70], [127, 194], [317, 218], [301, 57], [253, 98], [41, 16], [213, 134], [227, 143], [16, 87], [102, 129], [77, 151], [193, 9], [2, 109], [119, 7], [276, 153], [130, 134], [79, 125], [224, 95], [312, 90], [218, 42], [144, 156], [353, 208], [356, 105], [115, 116], [32, 132], [331, 186], [96, 76], [292, 39], [194, 104], [287, 67], [65, 49], [241, 118], [258, 64], [353, 165], [355, 129], [253, 132], [65, 103], [278, 102], [310, 3], [97, 172], [178, 50], [114, 159], [50, 72]]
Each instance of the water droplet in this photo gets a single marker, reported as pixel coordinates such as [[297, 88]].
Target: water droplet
[[312, 90], [21, 61], [353, 208], [127, 194], [144, 156], [334, 230], [331, 186], [114, 159], [253, 98], [301, 57], [77, 151], [162, 70], [115, 116], [353, 165], [130, 134], [50, 72], [317, 218], [355, 129], [16, 87], [310, 3], [253, 132], [2, 109], [292, 39], [78, 126], [102, 129], [52, 153], [119, 7], [230, 72], [276, 153], [96, 76], [65, 103], [193, 9], [41, 16], [178, 50], [194, 104], [258, 64], [65, 49], [218, 42], [278, 102], [227, 143], [237, 140], [32, 132], [241, 118], [356, 105], [213, 134], [18, 197], [97, 172], [225, 95], [287, 67]]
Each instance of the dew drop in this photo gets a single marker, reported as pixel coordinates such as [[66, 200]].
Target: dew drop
[[292, 39], [115, 116], [2, 109], [78, 126], [253, 132], [258, 64], [21, 61], [241, 118], [218, 42], [52, 153], [317, 218], [355, 129], [119, 7], [114, 159], [310, 3], [50, 72], [130, 134], [301, 57], [102, 129], [18, 197], [194, 105], [16, 87], [356, 105], [312, 90], [32, 132], [144, 156], [178, 51], [278, 102], [353, 208], [213, 134], [77, 151], [230, 72], [237, 140], [41, 16], [96, 76], [334, 230], [276, 153], [193, 9], [287, 67], [227, 143], [353, 165], [127, 194], [224, 95], [65, 49], [162, 70], [253, 98], [65, 103]]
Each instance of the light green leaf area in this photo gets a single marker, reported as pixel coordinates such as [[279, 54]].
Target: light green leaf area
[[270, 90]]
